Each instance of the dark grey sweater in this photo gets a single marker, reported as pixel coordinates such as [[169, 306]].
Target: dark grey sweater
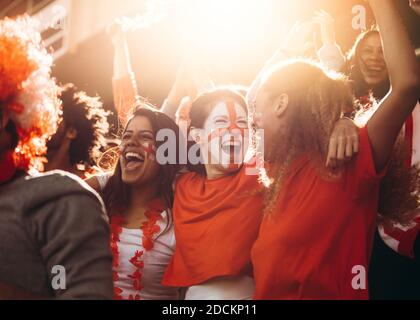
[[54, 219]]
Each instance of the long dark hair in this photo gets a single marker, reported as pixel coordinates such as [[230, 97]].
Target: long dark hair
[[360, 87], [202, 107], [116, 193]]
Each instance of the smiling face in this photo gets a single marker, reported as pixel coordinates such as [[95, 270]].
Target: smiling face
[[224, 136], [138, 152], [371, 61]]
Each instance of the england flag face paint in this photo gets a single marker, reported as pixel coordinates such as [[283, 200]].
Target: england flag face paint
[[225, 130]]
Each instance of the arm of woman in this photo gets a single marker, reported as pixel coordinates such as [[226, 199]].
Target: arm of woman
[[191, 79], [182, 87], [124, 86], [293, 46], [385, 125], [98, 182], [330, 54], [93, 182]]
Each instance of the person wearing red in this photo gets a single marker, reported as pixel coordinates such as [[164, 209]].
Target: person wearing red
[[316, 237], [217, 206]]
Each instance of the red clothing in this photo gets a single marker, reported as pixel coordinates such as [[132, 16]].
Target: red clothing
[[125, 96], [401, 239], [216, 224], [320, 230]]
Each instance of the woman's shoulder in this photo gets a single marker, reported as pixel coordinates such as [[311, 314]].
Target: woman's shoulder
[[99, 181], [186, 176]]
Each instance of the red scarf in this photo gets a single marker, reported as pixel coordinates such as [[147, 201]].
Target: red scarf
[[150, 229], [216, 224]]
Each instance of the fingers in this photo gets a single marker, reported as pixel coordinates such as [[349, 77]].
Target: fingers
[[332, 153], [341, 149], [323, 17], [355, 144], [349, 148], [344, 143]]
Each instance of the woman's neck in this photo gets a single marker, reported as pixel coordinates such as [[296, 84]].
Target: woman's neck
[[140, 198], [142, 195], [213, 172]]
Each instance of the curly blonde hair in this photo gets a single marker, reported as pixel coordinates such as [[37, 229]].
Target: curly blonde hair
[[317, 99]]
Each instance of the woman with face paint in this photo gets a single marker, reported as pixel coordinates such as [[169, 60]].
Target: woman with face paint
[[319, 225], [217, 206], [139, 196], [221, 192]]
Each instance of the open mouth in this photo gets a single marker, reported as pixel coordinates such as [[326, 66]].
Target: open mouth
[[133, 160], [233, 146], [375, 69]]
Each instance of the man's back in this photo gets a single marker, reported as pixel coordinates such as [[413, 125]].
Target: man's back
[[52, 225]]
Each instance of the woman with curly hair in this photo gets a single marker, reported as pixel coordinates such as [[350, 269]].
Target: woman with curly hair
[[319, 224], [214, 235], [76, 146]]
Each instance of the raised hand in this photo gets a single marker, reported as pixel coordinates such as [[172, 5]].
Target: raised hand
[[116, 33], [298, 38], [326, 22]]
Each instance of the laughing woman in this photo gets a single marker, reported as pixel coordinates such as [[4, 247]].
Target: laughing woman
[[218, 205], [139, 197], [217, 208], [320, 248]]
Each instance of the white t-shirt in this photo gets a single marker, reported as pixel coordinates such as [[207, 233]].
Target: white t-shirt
[[155, 260], [155, 263], [224, 288]]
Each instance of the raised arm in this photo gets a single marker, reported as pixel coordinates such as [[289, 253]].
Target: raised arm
[[386, 123], [182, 87], [191, 79], [124, 84], [293, 46], [330, 54]]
